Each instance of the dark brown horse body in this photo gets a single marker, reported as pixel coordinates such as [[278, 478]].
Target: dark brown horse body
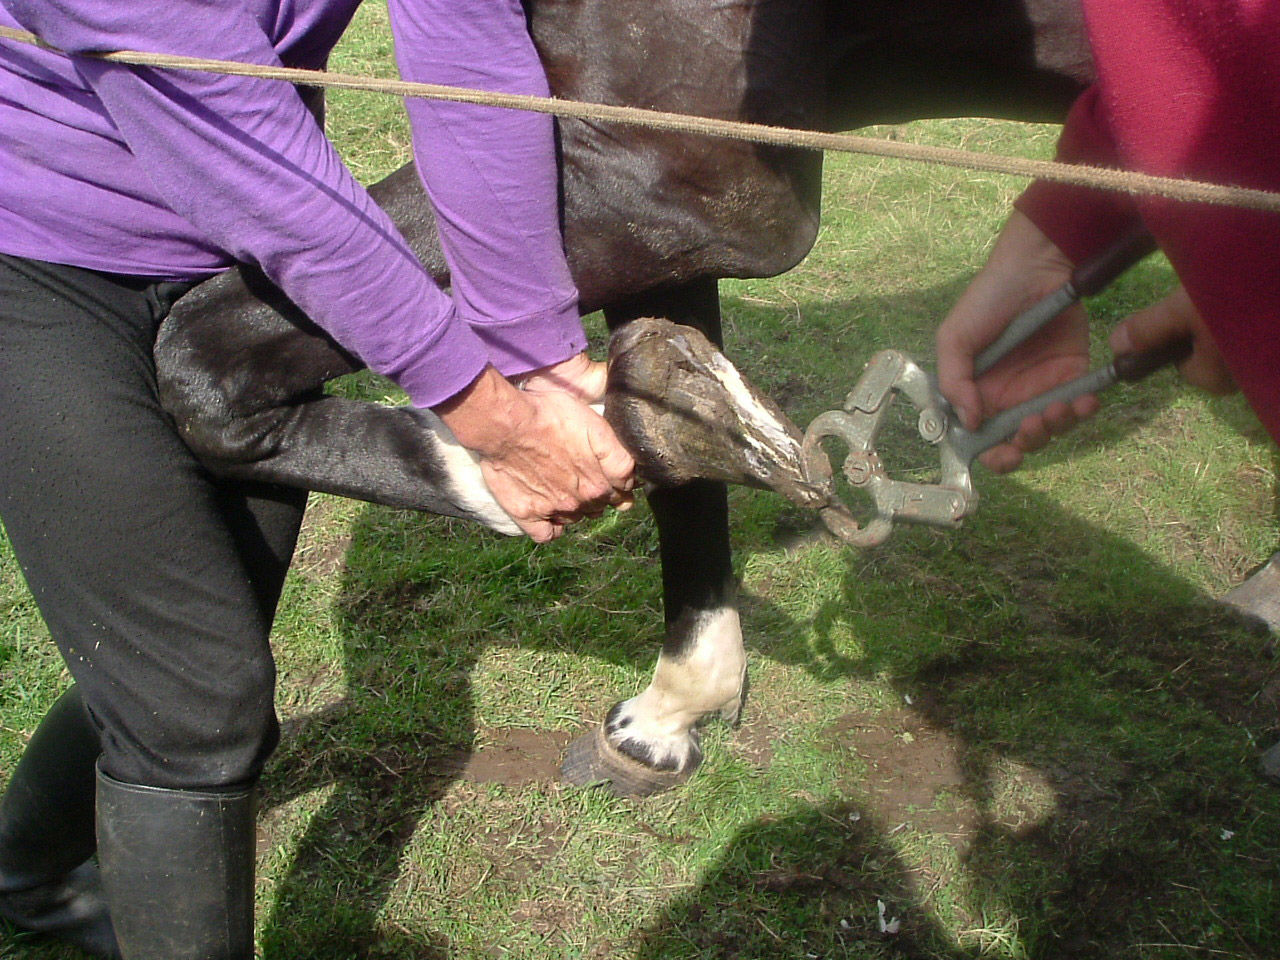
[[652, 221]]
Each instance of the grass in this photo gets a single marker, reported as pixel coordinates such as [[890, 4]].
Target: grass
[[1034, 737]]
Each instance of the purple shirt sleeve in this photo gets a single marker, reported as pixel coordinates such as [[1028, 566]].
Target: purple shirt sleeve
[[244, 162], [491, 176]]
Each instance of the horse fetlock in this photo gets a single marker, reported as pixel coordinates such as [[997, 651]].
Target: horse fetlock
[[461, 478], [701, 670], [661, 743], [731, 710]]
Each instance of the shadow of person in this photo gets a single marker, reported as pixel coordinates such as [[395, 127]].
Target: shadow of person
[[378, 773], [420, 602], [349, 856], [1038, 656], [1081, 718], [1077, 721], [822, 881]]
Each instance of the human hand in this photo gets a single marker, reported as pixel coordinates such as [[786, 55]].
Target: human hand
[[1175, 318], [1024, 266], [579, 376], [548, 459]]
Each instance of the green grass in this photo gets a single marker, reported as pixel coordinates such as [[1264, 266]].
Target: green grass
[[1034, 737]]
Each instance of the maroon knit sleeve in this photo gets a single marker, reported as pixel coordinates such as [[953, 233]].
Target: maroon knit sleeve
[[1080, 220]]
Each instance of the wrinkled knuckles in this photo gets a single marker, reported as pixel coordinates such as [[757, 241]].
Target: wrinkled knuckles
[[598, 492]]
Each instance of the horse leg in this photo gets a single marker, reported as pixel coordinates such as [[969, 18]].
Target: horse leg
[[241, 370], [650, 742]]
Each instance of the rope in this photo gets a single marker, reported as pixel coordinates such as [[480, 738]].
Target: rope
[[1122, 181]]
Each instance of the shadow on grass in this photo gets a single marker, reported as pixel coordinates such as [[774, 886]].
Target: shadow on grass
[[417, 610], [1031, 638], [1083, 727], [806, 885]]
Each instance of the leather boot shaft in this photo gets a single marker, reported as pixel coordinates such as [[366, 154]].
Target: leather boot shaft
[[46, 814], [177, 866], [48, 881]]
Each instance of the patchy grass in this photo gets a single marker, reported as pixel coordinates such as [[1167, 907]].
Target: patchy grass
[[1032, 738]]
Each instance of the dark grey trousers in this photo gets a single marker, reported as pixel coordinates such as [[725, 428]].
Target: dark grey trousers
[[157, 581]]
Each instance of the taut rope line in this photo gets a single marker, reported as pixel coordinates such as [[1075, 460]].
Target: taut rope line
[[1123, 181]]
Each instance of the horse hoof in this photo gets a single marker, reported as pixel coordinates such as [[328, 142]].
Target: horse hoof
[[686, 413], [592, 760]]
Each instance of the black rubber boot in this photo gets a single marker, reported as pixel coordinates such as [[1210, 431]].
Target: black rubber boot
[[178, 870], [48, 881]]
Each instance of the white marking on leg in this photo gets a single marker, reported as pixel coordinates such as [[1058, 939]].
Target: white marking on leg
[[659, 723], [464, 481], [750, 411]]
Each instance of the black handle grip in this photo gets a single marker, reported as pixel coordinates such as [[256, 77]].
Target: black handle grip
[[1132, 367], [1094, 276]]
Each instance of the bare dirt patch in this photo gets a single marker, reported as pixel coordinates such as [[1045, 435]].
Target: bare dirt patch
[[753, 743], [322, 542], [514, 757], [914, 773], [547, 917]]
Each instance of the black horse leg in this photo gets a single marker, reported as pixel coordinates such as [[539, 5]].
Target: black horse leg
[[241, 371], [650, 742]]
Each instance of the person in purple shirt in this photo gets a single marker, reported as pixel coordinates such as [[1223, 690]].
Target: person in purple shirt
[[119, 188]]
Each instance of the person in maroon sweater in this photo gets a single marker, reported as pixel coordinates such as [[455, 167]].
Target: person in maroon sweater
[[1185, 88]]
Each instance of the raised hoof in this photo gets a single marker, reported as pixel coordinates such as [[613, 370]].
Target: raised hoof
[[686, 413], [592, 761]]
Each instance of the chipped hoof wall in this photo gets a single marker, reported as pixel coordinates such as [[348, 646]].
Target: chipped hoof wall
[[592, 761]]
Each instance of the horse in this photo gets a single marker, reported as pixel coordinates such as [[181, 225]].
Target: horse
[[652, 221]]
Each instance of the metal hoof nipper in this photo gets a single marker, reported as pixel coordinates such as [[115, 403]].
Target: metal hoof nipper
[[944, 503], [687, 414], [952, 498]]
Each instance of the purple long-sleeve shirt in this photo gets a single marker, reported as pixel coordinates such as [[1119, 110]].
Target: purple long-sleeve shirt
[[176, 174]]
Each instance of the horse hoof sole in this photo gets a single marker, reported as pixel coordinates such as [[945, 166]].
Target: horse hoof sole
[[591, 760]]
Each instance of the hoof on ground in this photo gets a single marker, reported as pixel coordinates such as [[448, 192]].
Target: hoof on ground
[[592, 760]]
